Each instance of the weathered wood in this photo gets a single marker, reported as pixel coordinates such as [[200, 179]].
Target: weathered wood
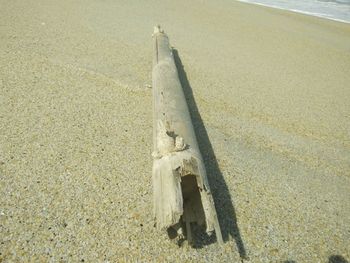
[[181, 191]]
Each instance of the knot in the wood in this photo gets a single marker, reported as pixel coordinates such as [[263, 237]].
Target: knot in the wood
[[179, 144]]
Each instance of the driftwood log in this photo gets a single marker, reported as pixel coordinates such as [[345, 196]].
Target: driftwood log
[[181, 191]]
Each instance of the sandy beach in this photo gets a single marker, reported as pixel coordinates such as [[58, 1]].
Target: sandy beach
[[268, 91]]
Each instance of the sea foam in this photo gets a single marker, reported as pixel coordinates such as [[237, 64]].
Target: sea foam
[[338, 10]]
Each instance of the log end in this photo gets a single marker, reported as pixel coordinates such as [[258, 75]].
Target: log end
[[182, 196], [157, 30]]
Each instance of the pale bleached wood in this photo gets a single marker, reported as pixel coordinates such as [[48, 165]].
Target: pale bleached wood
[[181, 191]]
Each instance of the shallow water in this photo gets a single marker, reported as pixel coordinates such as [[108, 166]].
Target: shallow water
[[338, 10]]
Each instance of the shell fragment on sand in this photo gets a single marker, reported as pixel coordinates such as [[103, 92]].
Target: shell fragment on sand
[[181, 191]]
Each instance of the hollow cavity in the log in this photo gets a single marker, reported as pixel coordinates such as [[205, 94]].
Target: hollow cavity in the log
[[193, 211]]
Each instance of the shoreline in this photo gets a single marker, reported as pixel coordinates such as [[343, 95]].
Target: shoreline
[[318, 15]]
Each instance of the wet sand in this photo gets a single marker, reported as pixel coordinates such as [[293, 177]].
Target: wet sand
[[269, 94]]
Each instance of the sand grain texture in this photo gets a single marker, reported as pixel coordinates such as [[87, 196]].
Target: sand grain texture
[[269, 95]]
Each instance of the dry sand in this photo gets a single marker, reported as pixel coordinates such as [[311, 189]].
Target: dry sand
[[270, 103]]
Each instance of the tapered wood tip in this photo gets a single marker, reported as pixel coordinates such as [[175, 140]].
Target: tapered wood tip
[[157, 29]]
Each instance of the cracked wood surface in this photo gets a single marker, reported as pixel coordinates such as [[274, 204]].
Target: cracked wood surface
[[181, 190]]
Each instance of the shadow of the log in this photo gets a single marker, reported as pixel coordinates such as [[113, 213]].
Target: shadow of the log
[[337, 259], [222, 198]]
